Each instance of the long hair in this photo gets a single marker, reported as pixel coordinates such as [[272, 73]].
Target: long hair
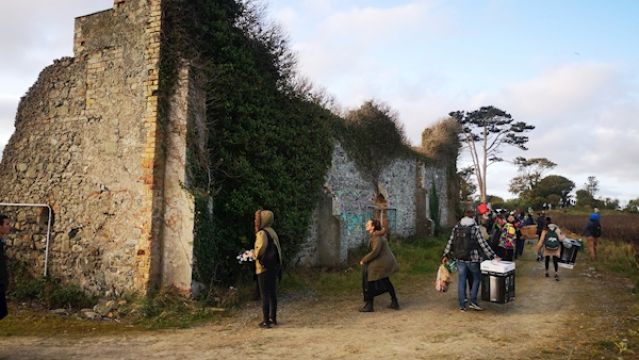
[[376, 224]]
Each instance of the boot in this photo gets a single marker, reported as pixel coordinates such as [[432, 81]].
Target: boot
[[394, 304], [368, 306]]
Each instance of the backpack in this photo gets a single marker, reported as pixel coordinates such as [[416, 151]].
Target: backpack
[[463, 242], [270, 258], [596, 229], [551, 241]]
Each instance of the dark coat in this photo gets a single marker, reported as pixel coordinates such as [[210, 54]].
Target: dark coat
[[541, 224], [381, 261], [4, 276]]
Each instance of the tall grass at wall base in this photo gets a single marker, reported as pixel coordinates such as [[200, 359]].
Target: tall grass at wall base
[[417, 256]]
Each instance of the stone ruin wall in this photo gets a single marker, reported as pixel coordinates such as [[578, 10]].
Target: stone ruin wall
[[90, 142], [347, 203], [97, 140]]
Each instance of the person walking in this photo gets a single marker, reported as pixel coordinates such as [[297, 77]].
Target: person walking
[[377, 266], [495, 232], [5, 228], [268, 266], [593, 233], [507, 237], [519, 237], [541, 225], [550, 245], [464, 245]]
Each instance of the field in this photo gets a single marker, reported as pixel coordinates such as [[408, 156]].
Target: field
[[622, 227]]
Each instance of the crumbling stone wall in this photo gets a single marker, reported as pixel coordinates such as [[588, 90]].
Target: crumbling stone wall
[[352, 202], [91, 142], [105, 138]]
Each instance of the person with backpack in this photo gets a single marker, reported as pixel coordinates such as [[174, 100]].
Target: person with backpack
[[550, 244], [377, 266], [464, 245], [593, 233], [268, 266]]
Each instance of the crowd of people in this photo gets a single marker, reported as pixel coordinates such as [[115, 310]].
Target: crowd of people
[[497, 235]]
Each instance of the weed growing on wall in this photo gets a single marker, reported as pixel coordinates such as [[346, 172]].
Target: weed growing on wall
[[373, 137]]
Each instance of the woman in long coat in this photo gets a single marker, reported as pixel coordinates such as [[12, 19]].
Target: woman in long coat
[[378, 265]]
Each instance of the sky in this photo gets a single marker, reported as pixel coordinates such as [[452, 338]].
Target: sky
[[567, 67]]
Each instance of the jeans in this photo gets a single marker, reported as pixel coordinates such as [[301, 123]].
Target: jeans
[[464, 268]]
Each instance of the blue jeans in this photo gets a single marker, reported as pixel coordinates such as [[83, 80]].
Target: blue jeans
[[464, 267]]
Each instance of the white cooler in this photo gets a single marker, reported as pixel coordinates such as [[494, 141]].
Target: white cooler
[[497, 281], [569, 250]]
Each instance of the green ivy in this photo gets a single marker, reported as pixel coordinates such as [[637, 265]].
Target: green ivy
[[267, 147]]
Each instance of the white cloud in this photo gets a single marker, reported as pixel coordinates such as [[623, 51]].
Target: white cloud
[[359, 50], [33, 33]]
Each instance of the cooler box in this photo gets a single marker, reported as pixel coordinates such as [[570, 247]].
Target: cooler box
[[497, 281], [568, 255]]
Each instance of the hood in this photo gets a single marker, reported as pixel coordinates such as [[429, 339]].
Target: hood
[[266, 218], [466, 221]]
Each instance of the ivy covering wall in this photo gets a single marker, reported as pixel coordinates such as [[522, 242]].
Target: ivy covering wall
[[268, 147], [269, 143]]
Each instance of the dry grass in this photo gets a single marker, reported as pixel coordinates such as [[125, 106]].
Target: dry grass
[[622, 227]]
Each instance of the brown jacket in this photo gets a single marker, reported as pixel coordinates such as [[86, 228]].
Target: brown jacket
[[261, 240], [381, 261]]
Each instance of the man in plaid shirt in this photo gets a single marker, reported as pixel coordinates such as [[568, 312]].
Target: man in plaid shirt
[[469, 263]]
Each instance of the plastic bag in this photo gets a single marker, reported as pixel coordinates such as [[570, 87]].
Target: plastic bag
[[452, 266], [443, 279]]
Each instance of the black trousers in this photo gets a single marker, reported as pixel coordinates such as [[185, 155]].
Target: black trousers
[[268, 291], [521, 242], [505, 254], [3, 303], [376, 287], [555, 262]]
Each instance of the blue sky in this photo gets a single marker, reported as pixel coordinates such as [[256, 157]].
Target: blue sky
[[571, 68]]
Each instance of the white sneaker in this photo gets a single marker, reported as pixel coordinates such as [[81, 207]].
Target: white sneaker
[[475, 307]]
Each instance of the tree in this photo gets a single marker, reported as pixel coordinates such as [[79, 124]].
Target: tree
[[530, 172], [554, 185], [466, 186], [584, 199], [592, 186], [632, 206], [611, 204], [484, 133], [496, 201], [554, 200]]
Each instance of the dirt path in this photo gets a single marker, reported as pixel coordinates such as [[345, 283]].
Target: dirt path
[[548, 319]]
